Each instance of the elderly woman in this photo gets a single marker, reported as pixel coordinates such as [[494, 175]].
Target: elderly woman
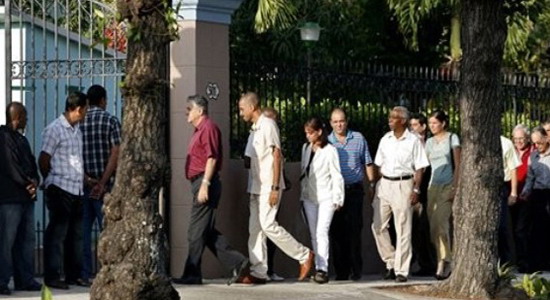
[[537, 192], [322, 191]]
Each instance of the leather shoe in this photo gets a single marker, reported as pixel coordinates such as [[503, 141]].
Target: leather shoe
[[5, 290], [238, 272], [400, 278], [188, 280], [56, 284], [249, 279], [320, 277], [389, 275], [33, 286], [79, 282], [306, 266]]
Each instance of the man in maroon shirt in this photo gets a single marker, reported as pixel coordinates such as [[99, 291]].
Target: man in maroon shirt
[[204, 161]]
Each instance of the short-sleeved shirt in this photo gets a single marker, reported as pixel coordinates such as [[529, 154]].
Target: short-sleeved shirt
[[100, 132], [206, 143], [400, 156], [538, 176], [509, 157], [263, 138], [440, 157], [63, 142], [354, 155]]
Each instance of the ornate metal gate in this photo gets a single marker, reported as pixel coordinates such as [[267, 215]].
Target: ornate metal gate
[[54, 47]]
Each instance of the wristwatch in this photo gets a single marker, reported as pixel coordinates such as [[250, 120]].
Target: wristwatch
[[416, 191], [275, 188]]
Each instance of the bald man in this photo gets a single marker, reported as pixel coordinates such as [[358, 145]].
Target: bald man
[[18, 182], [265, 184]]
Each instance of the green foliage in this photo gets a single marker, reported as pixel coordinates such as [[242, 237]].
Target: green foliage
[[506, 273], [535, 286], [45, 294], [273, 13]]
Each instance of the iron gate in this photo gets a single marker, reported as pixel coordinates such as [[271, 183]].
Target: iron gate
[[52, 48]]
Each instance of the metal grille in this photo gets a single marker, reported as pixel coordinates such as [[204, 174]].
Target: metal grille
[[52, 48], [367, 93]]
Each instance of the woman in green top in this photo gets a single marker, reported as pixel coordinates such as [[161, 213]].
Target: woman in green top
[[443, 150]]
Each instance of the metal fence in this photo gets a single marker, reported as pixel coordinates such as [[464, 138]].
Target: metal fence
[[367, 93]]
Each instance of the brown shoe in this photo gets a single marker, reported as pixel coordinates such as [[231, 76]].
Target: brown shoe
[[306, 266], [249, 279]]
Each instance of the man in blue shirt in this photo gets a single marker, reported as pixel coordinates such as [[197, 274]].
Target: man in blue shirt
[[347, 223]]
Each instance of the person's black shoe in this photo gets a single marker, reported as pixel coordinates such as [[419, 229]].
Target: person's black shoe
[[320, 277], [79, 282], [5, 290], [238, 272], [400, 278], [423, 273], [56, 284], [188, 280], [389, 275], [356, 277], [33, 287]]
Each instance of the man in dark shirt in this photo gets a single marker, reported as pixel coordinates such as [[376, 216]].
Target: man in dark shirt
[[204, 161], [18, 183]]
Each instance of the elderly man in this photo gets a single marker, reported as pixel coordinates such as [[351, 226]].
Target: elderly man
[[204, 161], [18, 183], [519, 210], [265, 183], [347, 223], [62, 166], [401, 159]]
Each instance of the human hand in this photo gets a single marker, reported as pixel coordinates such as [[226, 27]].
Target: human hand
[[336, 206], [273, 198], [97, 191], [413, 198], [202, 197], [512, 199], [31, 189]]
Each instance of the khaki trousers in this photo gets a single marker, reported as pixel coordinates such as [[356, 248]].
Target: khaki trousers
[[262, 225], [393, 197], [439, 214]]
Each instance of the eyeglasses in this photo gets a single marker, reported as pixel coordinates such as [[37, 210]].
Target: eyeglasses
[[519, 139]]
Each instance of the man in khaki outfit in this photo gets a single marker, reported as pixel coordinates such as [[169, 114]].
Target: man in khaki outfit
[[401, 159], [265, 183]]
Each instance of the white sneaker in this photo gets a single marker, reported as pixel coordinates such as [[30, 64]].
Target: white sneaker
[[275, 277]]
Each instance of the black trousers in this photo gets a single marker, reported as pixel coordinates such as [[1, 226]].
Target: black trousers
[[202, 232], [63, 236], [345, 235], [539, 241], [521, 228]]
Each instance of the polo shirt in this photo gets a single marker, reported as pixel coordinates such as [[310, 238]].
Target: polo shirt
[[63, 142], [354, 155], [509, 157], [400, 156], [206, 143], [263, 138]]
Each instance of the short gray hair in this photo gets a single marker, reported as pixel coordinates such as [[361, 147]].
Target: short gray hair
[[200, 102], [523, 128], [403, 111]]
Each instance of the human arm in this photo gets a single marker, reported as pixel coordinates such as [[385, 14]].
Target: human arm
[[99, 188], [44, 164], [277, 159], [337, 181], [202, 197]]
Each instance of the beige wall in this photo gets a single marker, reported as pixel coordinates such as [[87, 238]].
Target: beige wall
[[201, 56]]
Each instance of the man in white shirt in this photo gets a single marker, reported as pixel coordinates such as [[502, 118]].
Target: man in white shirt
[[265, 182], [401, 159]]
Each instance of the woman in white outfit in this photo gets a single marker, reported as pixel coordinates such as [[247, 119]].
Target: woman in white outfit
[[322, 191]]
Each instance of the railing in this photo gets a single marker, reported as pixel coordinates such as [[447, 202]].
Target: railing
[[368, 92]]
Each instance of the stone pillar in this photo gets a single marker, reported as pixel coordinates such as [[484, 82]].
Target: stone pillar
[[199, 61]]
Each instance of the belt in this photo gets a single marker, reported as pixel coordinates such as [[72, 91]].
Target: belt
[[354, 186], [398, 178]]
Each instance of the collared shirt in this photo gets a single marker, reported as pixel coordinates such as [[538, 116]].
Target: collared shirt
[[18, 167], [538, 175], [354, 155], [400, 156], [63, 143], [206, 143], [263, 138], [509, 157], [522, 170], [100, 132]]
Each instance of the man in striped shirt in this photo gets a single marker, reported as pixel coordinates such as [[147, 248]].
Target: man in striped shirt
[[347, 223]]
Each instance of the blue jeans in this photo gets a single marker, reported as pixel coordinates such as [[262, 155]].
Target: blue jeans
[[17, 243], [91, 211]]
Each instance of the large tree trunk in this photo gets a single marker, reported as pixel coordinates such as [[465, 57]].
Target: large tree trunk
[[476, 207], [132, 247]]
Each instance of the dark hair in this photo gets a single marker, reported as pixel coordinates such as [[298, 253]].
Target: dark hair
[[441, 116], [199, 101], [95, 93], [74, 100], [318, 124], [420, 117], [540, 130]]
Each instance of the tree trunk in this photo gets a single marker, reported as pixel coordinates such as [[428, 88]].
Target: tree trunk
[[132, 248], [476, 207], [454, 41]]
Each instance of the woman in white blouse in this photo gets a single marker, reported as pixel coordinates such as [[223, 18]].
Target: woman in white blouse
[[322, 191]]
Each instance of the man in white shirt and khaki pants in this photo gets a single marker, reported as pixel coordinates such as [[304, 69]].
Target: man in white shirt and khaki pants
[[401, 160]]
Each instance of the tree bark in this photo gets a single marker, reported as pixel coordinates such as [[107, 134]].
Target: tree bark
[[132, 248], [476, 207]]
